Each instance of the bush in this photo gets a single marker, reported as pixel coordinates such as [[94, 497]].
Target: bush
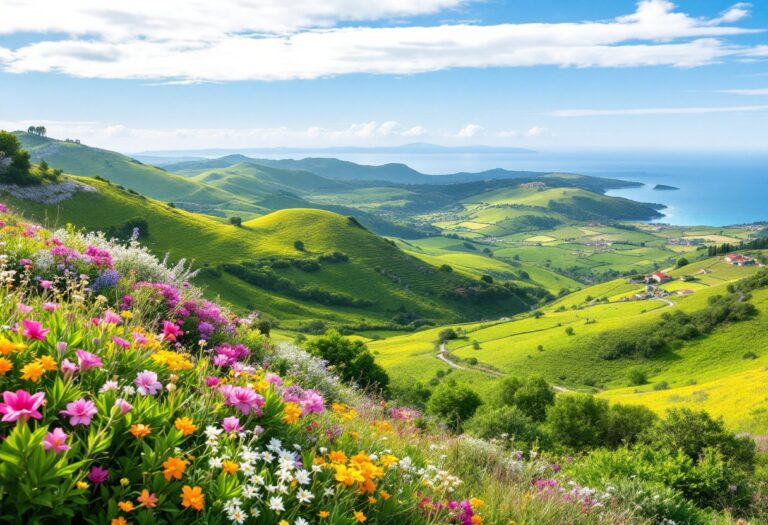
[[625, 424], [509, 421], [447, 335], [531, 397], [487, 279], [637, 377], [569, 331], [446, 268], [299, 245], [682, 261], [14, 161], [661, 385], [453, 403], [236, 221], [577, 421]]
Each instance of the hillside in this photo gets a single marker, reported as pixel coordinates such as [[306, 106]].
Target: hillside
[[386, 280]]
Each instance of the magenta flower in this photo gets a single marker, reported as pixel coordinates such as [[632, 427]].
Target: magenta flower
[[140, 338], [21, 405], [33, 330], [273, 379], [147, 383], [80, 412], [245, 399], [111, 317], [50, 307], [45, 284], [87, 360], [98, 475], [311, 402], [68, 368], [119, 341], [123, 405], [231, 424], [23, 308], [212, 381], [170, 331], [56, 441]]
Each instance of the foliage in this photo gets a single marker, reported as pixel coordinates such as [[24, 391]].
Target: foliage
[[531, 396], [453, 403]]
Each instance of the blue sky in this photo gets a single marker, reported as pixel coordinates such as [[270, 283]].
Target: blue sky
[[550, 74]]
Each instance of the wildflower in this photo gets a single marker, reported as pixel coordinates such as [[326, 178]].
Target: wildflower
[[124, 482], [119, 341], [45, 284], [292, 413], [276, 504], [231, 424], [81, 485], [118, 521], [185, 426], [80, 412], [147, 383], [304, 496], [300, 521], [33, 330], [21, 405], [140, 430], [323, 514], [68, 368], [6, 346], [360, 517], [33, 371], [230, 467], [48, 363], [56, 441], [171, 331], [111, 317], [476, 503], [50, 307], [87, 360], [476, 519], [245, 399], [5, 365], [23, 308], [174, 468], [98, 475], [337, 456], [192, 497], [147, 499], [384, 495], [125, 506], [348, 476], [123, 405]]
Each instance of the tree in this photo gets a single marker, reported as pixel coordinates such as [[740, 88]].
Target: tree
[[446, 268], [682, 261], [447, 335], [264, 326], [577, 421], [625, 424], [351, 360], [569, 331], [453, 403], [637, 377], [299, 245], [487, 279], [533, 397], [31, 130], [493, 423], [236, 221], [14, 161]]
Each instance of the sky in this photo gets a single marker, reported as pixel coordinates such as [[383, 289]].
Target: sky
[[547, 75]]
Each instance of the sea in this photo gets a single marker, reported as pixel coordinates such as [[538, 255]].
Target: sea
[[715, 189]]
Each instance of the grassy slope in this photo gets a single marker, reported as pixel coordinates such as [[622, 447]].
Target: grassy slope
[[212, 241], [724, 379]]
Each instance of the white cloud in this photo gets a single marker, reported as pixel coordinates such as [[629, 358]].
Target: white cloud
[[654, 111], [415, 131], [535, 131], [191, 41], [733, 14], [508, 134], [469, 131], [756, 91]]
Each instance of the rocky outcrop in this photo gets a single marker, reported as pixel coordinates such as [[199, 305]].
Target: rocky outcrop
[[46, 193]]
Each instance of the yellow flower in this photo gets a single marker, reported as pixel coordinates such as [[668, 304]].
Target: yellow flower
[[360, 458], [384, 495], [323, 514], [185, 425], [6, 346], [387, 460], [32, 371], [337, 456], [360, 517], [82, 485], [292, 413], [172, 360], [192, 497], [125, 506], [283, 522], [118, 521], [355, 436], [372, 500], [140, 430], [230, 467], [476, 503], [48, 363], [348, 476], [5, 366], [125, 482], [174, 468], [126, 314]]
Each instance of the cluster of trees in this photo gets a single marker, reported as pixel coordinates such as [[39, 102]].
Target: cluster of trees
[[761, 243], [40, 131], [351, 360], [16, 167]]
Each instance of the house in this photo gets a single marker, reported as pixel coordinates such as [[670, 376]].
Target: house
[[684, 292], [738, 259], [660, 277]]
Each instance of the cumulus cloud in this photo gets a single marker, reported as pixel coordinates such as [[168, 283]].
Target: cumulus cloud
[[415, 131], [469, 131], [654, 111], [193, 41], [535, 131]]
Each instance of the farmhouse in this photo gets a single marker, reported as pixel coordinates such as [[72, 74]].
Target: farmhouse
[[738, 259], [660, 277], [684, 292]]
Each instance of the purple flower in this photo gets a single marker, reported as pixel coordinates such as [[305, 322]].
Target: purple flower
[[147, 383], [123, 405], [212, 381], [50, 307], [119, 341], [68, 368], [242, 398], [98, 475], [80, 412], [87, 360], [231, 424]]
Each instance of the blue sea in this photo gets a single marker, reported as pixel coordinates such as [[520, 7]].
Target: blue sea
[[716, 189]]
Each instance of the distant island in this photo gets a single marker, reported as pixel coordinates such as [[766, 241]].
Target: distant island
[[664, 187]]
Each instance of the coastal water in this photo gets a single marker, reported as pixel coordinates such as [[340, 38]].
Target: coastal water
[[716, 189]]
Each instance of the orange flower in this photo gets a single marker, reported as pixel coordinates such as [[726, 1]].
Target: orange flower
[[118, 521], [185, 425], [323, 514], [337, 456], [372, 500], [476, 519], [292, 413], [192, 497], [6, 346], [174, 468], [5, 365], [125, 506], [348, 476], [387, 460], [32, 371], [147, 499], [230, 467], [360, 517], [140, 430], [384, 495], [48, 363]]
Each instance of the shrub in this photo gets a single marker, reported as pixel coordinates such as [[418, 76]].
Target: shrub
[[661, 385], [625, 424], [577, 421], [637, 377], [236, 221], [453, 403], [569, 331], [487, 279], [510, 421], [531, 396], [299, 245], [446, 268], [447, 335]]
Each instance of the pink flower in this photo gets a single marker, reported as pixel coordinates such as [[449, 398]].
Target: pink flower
[[56, 441], [68, 368], [273, 379], [231, 424], [119, 341], [123, 405], [245, 399], [87, 360], [98, 475], [212, 381], [111, 317], [23, 308], [21, 405], [170, 331], [50, 307], [34, 330], [45, 284], [80, 412], [147, 383], [140, 338], [61, 347], [311, 402]]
